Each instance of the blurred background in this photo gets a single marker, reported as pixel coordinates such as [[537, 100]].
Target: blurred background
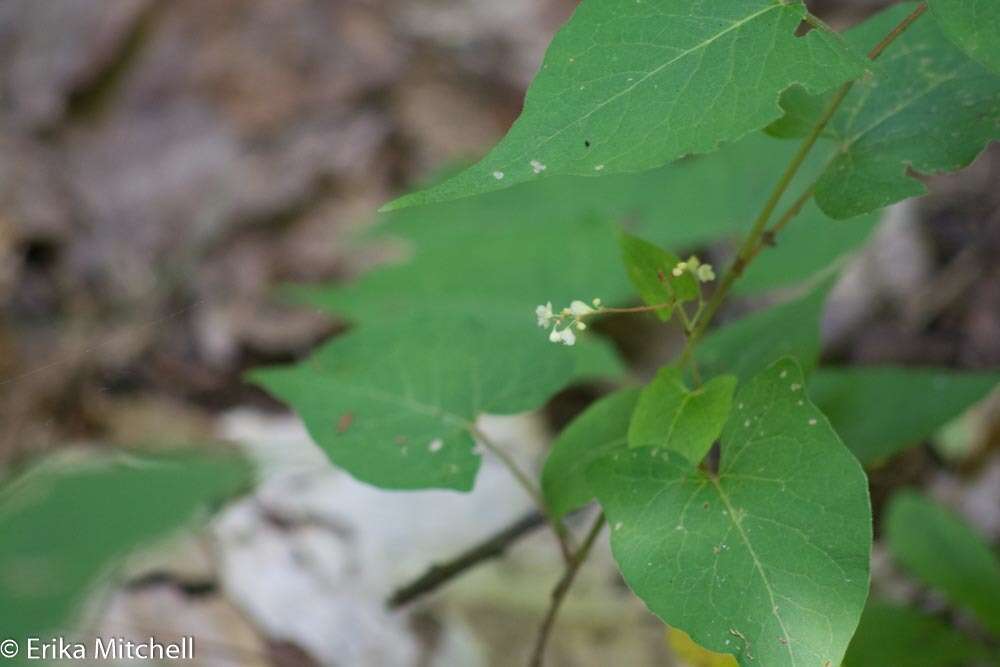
[[165, 166]]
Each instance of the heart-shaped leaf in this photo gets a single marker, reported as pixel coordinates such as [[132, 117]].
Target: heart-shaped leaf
[[768, 559], [394, 404]]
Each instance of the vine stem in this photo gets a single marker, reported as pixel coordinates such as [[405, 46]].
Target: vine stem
[[562, 535], [759, 234], [562, 588]]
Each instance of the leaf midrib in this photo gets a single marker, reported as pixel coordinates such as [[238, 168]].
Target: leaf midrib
[[757, 564], [415, 406]]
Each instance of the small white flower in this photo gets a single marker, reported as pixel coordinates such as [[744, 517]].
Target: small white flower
[[567, 336], [537, 166], [702, 272], [566, 320], [545, 315]]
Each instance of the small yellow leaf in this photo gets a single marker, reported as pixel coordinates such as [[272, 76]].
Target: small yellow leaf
[[694, 655]]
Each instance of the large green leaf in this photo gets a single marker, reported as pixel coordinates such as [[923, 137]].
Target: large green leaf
[[393, 404], [683, 420], [598, 430], [974, 25], [879, 411], [748, 345], [900, 637], [650, 268], [943, 551], [768, 559], [928, 107], [64, 524], [554, 240], [627, 86]]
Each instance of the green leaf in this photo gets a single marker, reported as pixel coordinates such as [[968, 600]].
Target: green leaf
[[597, 431], [393, 404], [674, 417], [891, 635], [554, 240], [973, 25], [768, 560], [802, 112], [627, 86], [927, 107], [944, 552], [650, 268], [65, 524], [749, 345], [879, 411]]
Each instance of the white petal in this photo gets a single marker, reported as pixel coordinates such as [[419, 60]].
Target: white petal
[[567, 335], [544, 315], [579, 309], [554, 336]]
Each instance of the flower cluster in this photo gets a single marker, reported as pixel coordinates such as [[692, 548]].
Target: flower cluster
[[703, 272], [568, 318]]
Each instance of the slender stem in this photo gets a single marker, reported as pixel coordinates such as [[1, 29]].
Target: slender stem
[[752, 244], [685, 320], [561, 589], [897, 31], [493, 547], [695, 371], [749, 247], [635, 309], [562, 535], [790, 214]]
